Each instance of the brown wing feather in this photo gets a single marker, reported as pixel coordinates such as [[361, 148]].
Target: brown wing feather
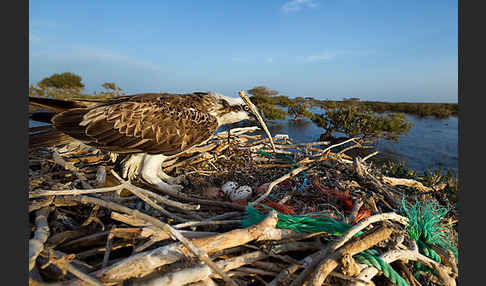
[[155, 124]]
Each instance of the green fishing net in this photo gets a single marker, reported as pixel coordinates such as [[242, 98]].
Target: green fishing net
[[424, 227], [321, 222], [315, 222], [425, 224]]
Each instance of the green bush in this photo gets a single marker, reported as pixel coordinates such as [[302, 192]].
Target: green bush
[[299, 111], [68, 85], [354, 121]]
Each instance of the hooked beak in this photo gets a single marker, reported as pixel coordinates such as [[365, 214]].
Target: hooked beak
[[254, 110]]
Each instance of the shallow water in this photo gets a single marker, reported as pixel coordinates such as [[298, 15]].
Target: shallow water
[[430, 144]]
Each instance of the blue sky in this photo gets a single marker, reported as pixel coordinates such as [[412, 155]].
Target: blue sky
[[387, 50]]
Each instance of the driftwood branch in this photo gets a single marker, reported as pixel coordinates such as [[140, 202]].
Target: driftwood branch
[[443, 272], [343, 239], [144, 263], [411, 183], [43, 193], [202, 272], [36, 244], [201, 254], [354, 247], [370, 155], [366, 222], [355, 140], [124, 185]]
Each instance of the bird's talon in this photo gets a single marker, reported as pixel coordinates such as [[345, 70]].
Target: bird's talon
[[169, 188]]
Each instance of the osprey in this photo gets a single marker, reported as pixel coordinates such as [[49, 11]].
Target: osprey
[[148, 127]]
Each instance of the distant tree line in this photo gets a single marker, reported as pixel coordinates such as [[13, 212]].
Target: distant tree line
[[69, 85], [437, 110]]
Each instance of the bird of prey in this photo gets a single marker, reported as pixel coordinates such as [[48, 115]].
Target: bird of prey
[[148, 127]]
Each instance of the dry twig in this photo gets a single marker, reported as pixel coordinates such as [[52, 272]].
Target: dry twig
[[36, 244]]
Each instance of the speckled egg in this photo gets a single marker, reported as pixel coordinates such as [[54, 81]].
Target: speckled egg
[[229, 187], [241, 193]]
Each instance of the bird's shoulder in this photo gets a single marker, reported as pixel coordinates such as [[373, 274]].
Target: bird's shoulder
[[199, 101], [154, 107], [154, 123]]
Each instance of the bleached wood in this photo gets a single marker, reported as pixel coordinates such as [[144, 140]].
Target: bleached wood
[[202, 272], [357, 246], [366, 222], [134, 189], [36, 244], [411, 183], [253, 108], [195, 273], [124, 185], [370, 155], [344, 238], [444, 272], [144, 263]]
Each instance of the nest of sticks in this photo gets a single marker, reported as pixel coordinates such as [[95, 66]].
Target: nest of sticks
[[91, 227]]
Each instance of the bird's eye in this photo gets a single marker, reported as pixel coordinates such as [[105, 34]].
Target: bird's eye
[[246, 108]]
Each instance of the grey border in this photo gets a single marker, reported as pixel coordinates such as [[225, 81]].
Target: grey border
[[471, 147], [14, 210]]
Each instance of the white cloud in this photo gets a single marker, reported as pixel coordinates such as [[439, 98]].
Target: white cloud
[[319, 58], [296, 5], [329, 56]]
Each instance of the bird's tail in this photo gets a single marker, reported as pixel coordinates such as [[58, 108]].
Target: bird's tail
[[58, 105], [47, 136]]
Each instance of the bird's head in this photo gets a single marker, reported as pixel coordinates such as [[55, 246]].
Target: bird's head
[[233, 110]]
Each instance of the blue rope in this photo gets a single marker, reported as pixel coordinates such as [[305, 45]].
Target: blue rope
[[304, 184]]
